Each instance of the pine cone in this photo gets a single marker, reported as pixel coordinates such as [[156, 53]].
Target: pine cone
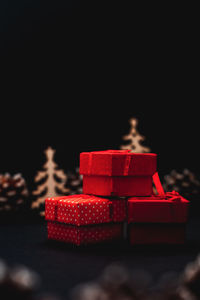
[[74, 182], [13, 192], [184, 183], [17, 283], [116, 283], [191, 279]]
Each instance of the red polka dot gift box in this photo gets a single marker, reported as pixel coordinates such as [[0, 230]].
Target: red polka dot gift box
[[83, 210], [79, 235], [117, 173]]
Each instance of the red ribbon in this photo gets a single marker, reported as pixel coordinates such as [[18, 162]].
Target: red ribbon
[[158, 184], [90, 162], [127, 165], [127, 161]]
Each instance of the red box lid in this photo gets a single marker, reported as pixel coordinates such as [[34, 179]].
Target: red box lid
[[118, 163], [84, 210]]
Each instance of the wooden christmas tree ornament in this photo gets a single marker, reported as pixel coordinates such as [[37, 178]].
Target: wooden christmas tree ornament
[[54, 180], [134, 139]]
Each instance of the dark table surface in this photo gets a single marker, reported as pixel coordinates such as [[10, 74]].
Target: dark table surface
[[63, 266]]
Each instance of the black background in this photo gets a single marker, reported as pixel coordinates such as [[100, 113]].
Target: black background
[[73, 74]]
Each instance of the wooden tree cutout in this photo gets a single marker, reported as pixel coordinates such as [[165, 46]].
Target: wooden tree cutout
[[54, 180], [135, 139]]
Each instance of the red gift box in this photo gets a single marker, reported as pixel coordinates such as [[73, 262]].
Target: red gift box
[[85, 234], [85, 210], [117, 173], [117, 186], [171, 208], [157, 234]]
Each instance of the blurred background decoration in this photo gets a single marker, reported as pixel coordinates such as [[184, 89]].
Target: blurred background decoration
[[14, 194], [19, 282], [116, 283], [185, 183], [74, 182], [51, 182], [134, 141]]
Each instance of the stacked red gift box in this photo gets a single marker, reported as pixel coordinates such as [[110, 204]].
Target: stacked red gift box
[[118, 188]]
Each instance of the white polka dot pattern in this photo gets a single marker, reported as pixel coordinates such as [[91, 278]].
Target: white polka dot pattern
[[119, 210], [84, 210], [85, 234], [51, 207]]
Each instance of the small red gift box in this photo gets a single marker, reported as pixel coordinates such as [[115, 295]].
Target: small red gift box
[[85, 210], [157, 234], [84, 234], [117, 173], [171, 208]]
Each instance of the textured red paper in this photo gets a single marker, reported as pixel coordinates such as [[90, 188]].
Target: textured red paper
[[51, 207], [118, 163], [158, 209], [84, 234], [157, 234], [117, 185], [119, 210], [85, 210]]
